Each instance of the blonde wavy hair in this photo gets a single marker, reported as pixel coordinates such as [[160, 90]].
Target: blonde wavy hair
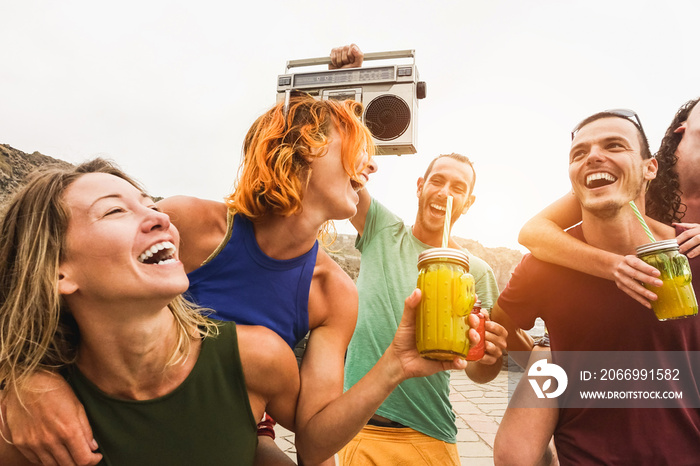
[[278, 149], [37, 330]]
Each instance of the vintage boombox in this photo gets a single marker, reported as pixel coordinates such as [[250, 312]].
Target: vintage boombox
[[388, 93]]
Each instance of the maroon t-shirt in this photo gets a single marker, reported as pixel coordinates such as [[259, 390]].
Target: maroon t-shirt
[[584, 313]]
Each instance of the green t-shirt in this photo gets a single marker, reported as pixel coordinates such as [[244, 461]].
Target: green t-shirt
[[388, 275], [205, 420]]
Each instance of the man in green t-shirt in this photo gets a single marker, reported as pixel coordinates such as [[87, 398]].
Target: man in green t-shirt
[[416, 421]]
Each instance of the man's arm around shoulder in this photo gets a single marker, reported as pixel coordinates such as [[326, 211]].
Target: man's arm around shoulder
[[49, 424]]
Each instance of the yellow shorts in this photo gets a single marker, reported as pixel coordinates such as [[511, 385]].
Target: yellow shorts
[[383, 446]]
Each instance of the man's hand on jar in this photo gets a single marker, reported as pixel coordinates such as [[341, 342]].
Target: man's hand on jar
[[631, 273]]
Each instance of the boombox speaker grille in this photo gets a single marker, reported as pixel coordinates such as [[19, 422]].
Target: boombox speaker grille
[[387, 117]]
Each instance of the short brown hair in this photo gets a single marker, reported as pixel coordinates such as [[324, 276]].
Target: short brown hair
[[457, 157]]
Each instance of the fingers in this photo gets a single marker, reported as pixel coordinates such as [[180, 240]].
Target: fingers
[[7, 435], [497, 332], [52, 451], [472, 333], [458, 364], [686, 226], [336, 58], [81, 450], [631, 274], [495, 343], [690, 247], [635, 269], [32, 458], [641, 298], [62, 435], [58, 456], [689, 239], [411, 303], [355, 56], [637, 292], [473, 336], [344, 55], [34, 452], [87, 431], [347, 56], [410, 308]]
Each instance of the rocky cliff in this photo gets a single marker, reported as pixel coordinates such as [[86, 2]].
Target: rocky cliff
[[15, 165]]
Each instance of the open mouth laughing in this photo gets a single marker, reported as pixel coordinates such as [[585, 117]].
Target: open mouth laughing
[[159, 254], [599, 179], [358, 182], [438, 207]]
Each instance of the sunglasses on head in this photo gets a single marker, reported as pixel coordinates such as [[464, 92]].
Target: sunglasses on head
[[627, 114]]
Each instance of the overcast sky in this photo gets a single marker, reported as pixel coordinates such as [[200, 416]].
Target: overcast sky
[[169, 88]]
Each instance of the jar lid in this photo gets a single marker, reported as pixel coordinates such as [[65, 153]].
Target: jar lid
[[447, 254], [667, 244]]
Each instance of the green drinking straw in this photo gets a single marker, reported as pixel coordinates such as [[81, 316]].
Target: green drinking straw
[[641, 220]]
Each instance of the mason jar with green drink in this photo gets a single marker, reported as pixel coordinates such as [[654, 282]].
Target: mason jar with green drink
[[676, 298]]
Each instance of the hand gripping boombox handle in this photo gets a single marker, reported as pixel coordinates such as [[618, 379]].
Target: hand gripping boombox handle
[[368, 56]]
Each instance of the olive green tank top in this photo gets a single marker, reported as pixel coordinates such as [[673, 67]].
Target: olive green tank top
[[206, 420]]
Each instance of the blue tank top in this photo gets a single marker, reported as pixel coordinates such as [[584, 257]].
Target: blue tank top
[[242, 284]]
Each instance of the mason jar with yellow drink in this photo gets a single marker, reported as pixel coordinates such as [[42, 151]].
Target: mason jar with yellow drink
[[447, 298], [676, 298]]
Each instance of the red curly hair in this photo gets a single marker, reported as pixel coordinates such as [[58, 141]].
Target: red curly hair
[[275, 169]]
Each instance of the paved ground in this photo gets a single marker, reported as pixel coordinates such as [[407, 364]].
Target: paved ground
[[479, 409]]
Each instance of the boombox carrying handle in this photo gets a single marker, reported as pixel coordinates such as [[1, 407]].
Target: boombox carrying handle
[[368, 56]]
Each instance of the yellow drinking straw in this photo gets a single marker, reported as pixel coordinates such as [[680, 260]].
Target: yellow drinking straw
[[641, 220], [446, 227]]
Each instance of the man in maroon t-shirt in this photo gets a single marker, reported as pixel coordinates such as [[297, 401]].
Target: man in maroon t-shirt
[[609, 165]]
